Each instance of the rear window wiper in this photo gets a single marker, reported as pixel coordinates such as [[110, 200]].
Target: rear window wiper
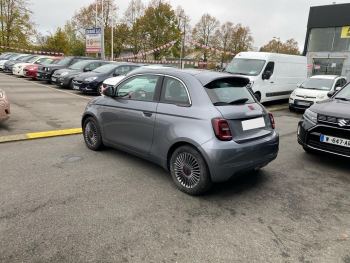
[[235, 102], [341, 98]]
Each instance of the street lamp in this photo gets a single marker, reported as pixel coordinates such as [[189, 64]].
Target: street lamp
[[183, 40]]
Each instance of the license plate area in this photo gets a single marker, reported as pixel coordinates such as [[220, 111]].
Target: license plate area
[[75, 87], [335, 141], [253, 124]]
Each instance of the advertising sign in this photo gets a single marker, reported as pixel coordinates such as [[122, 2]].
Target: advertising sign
[[345, 32], [93, 40]]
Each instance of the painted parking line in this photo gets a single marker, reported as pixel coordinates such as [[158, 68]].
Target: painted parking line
[[39, 135]]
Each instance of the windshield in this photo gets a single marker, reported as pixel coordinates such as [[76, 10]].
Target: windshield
[[22, 58], [80, 65], [229, 92], [64, 62], [249, 67], [42, 60], [105, 68], [344, 93], [318, 84], [32, 60]]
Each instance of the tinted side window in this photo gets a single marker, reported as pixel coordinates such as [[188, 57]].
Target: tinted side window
[[139, 88], [270, 67], [122, 70], [174, 92], [93, 65]]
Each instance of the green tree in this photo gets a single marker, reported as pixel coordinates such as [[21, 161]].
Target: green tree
[[159, 26], [16, 27], [58, 42], [276, 46]]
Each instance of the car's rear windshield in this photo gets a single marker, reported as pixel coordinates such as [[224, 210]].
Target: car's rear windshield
[[318, 84], [229, 91]]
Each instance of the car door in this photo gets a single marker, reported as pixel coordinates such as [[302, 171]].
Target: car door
[[128, 121], [269, 79]]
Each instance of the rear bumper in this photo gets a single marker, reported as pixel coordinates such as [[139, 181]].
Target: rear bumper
[[225, 159]]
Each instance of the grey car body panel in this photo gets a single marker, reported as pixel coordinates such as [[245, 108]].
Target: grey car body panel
[[151, 129], [333, 107]]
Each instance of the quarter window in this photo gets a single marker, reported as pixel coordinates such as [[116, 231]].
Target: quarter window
[[139, 88], [174, 92]]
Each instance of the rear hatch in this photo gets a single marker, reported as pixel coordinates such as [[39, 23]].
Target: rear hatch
[[248, 120]]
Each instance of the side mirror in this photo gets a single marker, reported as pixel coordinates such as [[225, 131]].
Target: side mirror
[[337, 88], [266, 75], [87, 69], [330, 94], [109, 91], [116, 74]]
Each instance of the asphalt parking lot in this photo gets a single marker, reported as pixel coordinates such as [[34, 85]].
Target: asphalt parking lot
[[60, 202]]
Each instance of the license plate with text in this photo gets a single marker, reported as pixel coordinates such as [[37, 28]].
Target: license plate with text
[[335, 141]]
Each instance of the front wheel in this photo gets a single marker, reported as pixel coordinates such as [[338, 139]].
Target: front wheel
[[92, 134], [189, 171]]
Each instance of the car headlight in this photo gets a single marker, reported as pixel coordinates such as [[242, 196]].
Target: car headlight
[[91, 79], [293, 93], [310, 115], [64, 74]]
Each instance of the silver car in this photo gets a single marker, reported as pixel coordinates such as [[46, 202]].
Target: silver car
[[202, 126]]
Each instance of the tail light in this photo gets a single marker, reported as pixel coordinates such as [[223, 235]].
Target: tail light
[[222, 129], [272, 120]]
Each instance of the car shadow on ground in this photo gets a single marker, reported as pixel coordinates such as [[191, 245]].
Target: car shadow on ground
[[242, 182]]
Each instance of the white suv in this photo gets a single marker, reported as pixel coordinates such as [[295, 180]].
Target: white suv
[[314, 89]]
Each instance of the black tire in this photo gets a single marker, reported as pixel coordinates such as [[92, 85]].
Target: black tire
[[189, 171], [92, 134], [257, 96]]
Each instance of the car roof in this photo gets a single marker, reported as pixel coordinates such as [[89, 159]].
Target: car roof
[[325, 77], [204, 76]]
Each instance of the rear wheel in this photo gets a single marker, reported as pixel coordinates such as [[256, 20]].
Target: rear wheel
[[189, 171], [92, 134], [257, 96]]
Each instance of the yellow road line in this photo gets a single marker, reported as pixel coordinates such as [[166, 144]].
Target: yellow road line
[[39, 135]]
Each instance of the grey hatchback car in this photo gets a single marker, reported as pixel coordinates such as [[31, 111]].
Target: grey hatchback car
[[202, 126]]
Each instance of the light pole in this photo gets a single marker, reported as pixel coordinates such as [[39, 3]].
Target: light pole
[[278, 43], [183, 41], [112, 36]]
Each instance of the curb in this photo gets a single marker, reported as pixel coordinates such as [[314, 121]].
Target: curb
[[39, 135]]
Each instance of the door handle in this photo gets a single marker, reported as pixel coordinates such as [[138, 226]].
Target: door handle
[[147, 114], [272, 82]]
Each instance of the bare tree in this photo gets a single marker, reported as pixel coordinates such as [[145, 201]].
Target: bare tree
[[204, 30]]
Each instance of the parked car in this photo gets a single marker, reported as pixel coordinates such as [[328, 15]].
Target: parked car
[[90, 82], [6, 58], [31, 71], [272, 76], [314, 89], [18, 59], [18, 69], [202, 126], [64, 77], [45, 72], [325, 126], [4, 106]]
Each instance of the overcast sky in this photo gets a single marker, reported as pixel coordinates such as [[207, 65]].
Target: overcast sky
[[266, 18]]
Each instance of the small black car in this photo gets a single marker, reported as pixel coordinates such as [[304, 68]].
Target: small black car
[[325, 126], [64, 77], [45, 72], [90, 82]]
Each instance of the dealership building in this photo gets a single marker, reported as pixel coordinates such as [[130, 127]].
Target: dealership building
[[327, 44]]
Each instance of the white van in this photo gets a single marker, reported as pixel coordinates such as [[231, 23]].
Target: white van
[[272, 76]]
